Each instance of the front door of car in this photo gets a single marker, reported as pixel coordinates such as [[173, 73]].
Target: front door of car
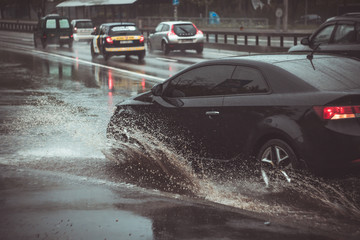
[[194, 111]]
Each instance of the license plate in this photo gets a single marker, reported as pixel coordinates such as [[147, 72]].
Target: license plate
[[64, 37], [186, 41], [126, 42]]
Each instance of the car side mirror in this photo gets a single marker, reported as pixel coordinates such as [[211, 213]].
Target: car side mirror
[[305, 41], [157, 90]]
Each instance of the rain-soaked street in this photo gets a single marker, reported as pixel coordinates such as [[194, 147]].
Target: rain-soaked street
[[58, 181]]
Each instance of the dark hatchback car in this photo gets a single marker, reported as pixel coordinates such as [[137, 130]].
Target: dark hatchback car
[[116, 39], [53, 29], [338, 35], [278, 108]]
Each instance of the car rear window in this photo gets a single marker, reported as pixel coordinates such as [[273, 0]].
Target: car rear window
[[51, 24], [84, 25], [184, 29], [124, 30], [64, 23], [336, 73]]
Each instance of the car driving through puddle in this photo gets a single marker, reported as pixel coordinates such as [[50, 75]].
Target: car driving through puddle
[[289, 111]]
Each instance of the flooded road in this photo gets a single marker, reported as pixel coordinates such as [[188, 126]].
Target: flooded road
[[56, 183]]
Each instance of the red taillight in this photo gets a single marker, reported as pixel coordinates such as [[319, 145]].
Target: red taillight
[[71, 36], [109, 40], [44, 36], [75, 29], [142, 39], [337, 112], [197, 30], [172, 31]]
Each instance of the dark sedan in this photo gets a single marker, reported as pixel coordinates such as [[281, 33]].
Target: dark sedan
[[338, 35], [287, 110]]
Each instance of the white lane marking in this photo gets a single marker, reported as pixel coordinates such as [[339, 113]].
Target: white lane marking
[[149, 77], [167, 59]]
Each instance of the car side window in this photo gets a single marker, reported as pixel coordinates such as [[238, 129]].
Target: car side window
[[102, 31], [159, 27], [165, 28], [244, 80], [323, 37], [50, 24], [202, 81], [344, 34]]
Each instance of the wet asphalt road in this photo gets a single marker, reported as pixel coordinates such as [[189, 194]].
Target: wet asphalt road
[[56, 183]]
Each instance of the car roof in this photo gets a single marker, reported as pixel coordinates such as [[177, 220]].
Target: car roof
[[354, 16], [177, 22], [118, 24], [81, 20], [53, 16]]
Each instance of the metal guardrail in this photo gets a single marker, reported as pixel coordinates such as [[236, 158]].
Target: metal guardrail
[[249, 41]]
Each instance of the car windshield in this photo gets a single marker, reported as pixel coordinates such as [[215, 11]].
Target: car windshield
[[124, 30], [330, 73], [184, 29], [84, 25]]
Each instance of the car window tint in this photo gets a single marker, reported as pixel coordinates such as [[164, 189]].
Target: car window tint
[[244, 80], [330, 73], [201, 81], [51, 24], [165, 28], [345, 33], [323, 37], [159, 27], [123, 30], [183, 29], [64, 23], [84, 25]]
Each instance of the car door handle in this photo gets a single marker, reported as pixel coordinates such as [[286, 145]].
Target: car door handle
[[212, 113]]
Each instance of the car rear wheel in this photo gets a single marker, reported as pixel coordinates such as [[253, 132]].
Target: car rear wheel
[[141, 57], [199, 50], [149, 47], [43, 43], [165, 48], [70, 44], [106, 55], [277, 160]]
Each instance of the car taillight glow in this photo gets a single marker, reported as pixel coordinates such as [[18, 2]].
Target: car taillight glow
[[142, 39], [109, 40], [172, 31], [337, 112], [197, 30]]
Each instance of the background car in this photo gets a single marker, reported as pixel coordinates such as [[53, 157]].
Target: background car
[[82, 29], [175, 35], [338, 35], [53, 29], [309, 19], [115, 39], [277, 108]]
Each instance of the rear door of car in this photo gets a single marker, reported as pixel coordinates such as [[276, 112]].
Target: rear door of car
[[195, 110], [64, 29]]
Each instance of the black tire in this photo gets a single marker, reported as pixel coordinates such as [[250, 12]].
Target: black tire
[[277, 160], [149, 47], [165, 48], [43, 44], [35, 43], [106, 55], [199, 50], [70, 44], [141, 57]]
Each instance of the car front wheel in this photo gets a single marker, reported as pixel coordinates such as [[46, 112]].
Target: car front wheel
[[277, 161], [93, 54]]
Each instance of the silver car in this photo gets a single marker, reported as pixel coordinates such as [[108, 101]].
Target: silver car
[[82, 29], [176, 35]]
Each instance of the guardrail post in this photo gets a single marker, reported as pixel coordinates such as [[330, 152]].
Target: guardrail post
[[257, 40], [295, 41], [269, 41], [281, 41], [225, 38], [216, 37], [235, 39], [246, 40], [207, 37]]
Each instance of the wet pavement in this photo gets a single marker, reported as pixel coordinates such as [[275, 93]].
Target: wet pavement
[[56, 181]]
